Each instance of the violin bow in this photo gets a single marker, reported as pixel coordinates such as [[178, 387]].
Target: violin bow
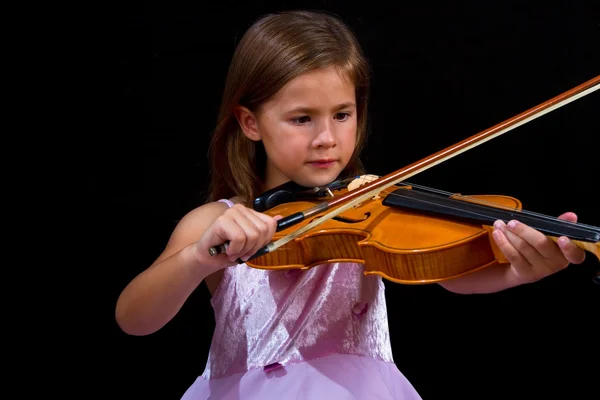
[[365, 192]]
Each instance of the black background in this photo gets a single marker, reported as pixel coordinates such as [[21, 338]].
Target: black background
[[441, 73]]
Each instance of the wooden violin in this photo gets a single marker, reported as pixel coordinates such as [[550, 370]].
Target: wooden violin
[[405, 233]]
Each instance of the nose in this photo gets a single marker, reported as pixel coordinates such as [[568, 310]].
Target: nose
[[325, 137]]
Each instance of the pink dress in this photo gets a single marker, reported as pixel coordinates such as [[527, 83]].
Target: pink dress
[[315, 334]]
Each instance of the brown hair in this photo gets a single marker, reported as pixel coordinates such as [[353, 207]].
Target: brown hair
[[274, 50]]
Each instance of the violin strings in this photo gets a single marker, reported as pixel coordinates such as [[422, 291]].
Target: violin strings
[[499, 206], [593, 228], [489, 203], [317, 221], [275, 245]]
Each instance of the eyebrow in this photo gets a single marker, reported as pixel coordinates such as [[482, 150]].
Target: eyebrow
[[307, 110]]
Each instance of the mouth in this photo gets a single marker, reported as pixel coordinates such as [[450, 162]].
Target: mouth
[[322, 163]]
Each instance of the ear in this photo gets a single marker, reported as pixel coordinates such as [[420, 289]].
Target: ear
[[248, 123]]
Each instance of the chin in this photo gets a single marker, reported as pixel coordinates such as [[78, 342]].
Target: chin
[[315, 180]]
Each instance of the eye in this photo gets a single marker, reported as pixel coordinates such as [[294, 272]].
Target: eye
[[342, 116], [301, 120]]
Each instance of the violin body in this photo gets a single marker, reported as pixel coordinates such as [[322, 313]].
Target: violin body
[[404, 235], [402, 245]]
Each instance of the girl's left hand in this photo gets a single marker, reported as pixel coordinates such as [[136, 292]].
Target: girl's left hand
[[532, 255]]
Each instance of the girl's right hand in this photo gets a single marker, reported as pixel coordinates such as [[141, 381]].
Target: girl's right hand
[[246, 230]]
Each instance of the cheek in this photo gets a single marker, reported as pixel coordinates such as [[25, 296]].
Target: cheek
[[291, 148], [349, 137], [286, 144]]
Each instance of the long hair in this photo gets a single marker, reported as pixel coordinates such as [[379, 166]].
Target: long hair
[[274, 50]]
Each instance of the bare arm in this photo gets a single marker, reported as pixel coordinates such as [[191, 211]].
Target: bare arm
[[489, 280], [155, 296]]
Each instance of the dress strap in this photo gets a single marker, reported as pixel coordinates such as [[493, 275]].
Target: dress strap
[[228, 202]]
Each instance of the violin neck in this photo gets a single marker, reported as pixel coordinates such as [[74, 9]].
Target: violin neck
[[473, 212]]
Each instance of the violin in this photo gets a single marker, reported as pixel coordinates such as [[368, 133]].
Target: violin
[[406, 233]]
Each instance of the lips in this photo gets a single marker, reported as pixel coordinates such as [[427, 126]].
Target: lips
[[322, 162]]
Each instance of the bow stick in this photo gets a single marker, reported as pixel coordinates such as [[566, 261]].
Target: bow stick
[[351, 198]]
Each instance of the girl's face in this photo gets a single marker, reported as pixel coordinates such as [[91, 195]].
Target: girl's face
[[308, 129]]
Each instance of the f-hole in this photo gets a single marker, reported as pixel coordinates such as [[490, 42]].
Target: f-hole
[[348, 220]]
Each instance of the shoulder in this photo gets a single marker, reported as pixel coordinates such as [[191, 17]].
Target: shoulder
[[191, 227]]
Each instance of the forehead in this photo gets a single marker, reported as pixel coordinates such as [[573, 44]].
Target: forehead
[[320, 88]]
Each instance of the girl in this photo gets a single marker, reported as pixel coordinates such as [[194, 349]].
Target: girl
[[294, 108]]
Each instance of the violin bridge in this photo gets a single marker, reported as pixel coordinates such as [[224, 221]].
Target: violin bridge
[[362, 180]]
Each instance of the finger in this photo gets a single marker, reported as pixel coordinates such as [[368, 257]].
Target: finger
[[270, 223], [572, 253], [506, 246], [229, 231], [265, 233], [246, 222], [268, 226], [529, 241], [568, 216]]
